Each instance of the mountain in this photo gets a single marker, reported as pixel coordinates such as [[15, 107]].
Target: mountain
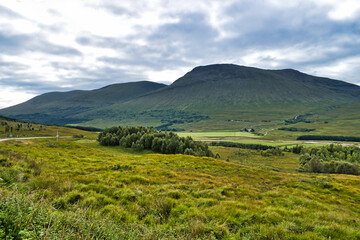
[[61, 107], [205, 97], [226, 91], [228, 86]]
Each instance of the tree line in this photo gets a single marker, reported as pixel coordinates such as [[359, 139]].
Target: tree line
[[140, 138], [242, 145], [331, 159], [294, 129], [329, 138]]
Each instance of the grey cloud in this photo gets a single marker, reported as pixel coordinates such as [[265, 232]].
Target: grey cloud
[[117, 10], [9, 68], [16, 44], [6, 12], [54, 12], [30, 82], [95, 77], [99, 41], [255, 27]]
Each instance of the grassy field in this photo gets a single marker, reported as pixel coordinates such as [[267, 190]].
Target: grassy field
[[218, 135], [250, 138], [77, 189], [25, 129], [287, 163]]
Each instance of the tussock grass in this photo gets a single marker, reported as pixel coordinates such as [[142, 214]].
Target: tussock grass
[[170, 196]]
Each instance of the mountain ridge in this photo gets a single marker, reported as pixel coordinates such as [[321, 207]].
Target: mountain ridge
[[64, 105], [217, 91]]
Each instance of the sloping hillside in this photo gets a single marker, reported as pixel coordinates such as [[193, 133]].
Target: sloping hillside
[[216, 92], [228, 86], [227, 91], [60, 107]]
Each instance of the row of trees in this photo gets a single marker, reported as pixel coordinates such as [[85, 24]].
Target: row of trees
[[141, 138], [329, 138], [294, 129], [331, 159], [242, 145], [14, 126]]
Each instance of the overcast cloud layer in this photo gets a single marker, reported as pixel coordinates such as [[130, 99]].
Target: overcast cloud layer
[[63, 45]]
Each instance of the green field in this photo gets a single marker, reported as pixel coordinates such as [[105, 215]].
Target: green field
[[251, 138], [218, 135], [77, 189], [25, 129]]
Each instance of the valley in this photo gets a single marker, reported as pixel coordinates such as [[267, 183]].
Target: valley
[[219, 156], [213, 97], [115, 193]]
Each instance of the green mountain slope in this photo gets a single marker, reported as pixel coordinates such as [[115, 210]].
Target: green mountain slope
[[221, 94], [61, 107], [226, 91], [228, 86]]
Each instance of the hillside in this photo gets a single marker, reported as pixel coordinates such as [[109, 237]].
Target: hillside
[[60, 107], [77, 189], [228, 86], [223, 92], [20, 129], [208, 97]]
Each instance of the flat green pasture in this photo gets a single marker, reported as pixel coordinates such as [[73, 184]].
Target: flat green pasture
[[217, 135]]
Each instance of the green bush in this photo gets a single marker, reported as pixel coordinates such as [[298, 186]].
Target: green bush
[[272, 152]]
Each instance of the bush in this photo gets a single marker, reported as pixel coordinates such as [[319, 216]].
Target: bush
[[78, 136], [315, 165], [272, 152]]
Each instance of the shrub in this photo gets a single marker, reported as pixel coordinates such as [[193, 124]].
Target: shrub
[[78, 136], [272, 152], [315, 165]]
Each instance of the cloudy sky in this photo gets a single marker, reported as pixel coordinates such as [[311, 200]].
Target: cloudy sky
[[52, 45]]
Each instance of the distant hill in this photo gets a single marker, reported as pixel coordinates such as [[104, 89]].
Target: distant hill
[[61, 107], [226, 91], [229, 86], [215, 93]]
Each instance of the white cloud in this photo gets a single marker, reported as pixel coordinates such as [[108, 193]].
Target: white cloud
[[10, 96], [160, 40], [346, 68], [166, 76], [341, 10]]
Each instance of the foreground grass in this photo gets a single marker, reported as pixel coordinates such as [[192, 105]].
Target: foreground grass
[[287, 163], [113, 193]]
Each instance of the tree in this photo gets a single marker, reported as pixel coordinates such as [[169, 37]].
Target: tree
[[315, 165]]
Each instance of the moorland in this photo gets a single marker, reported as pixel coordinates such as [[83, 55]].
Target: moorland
[[225, 152]]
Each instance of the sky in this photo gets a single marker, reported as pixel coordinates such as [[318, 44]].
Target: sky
[[52, 45]]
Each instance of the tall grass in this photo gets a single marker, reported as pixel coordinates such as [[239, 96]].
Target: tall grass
[[87, 191]]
